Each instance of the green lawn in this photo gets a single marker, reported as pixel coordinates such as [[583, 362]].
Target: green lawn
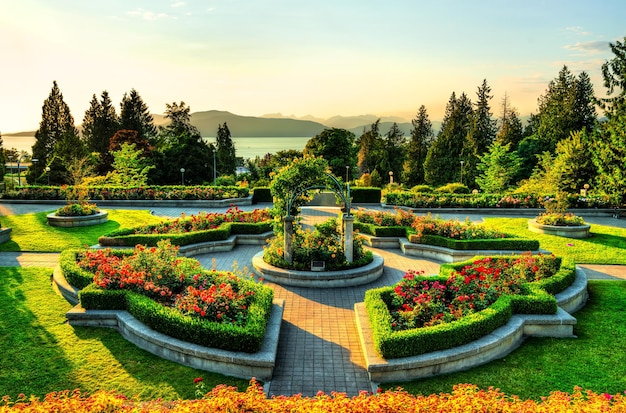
[[594, 360], [31, 232], [607, 245], [42, 353]]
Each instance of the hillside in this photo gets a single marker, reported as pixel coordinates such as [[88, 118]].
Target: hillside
[[250, 126]]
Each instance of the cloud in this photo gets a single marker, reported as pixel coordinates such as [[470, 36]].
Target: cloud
[[578, 30], [599, 46], [178, 4], [147, 15]]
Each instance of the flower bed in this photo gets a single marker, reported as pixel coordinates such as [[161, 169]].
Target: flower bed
[[113, 193], [463, 398], [450, 234], [443, 200], [467, 301], [172, 295], [193, 229], [324, 244]]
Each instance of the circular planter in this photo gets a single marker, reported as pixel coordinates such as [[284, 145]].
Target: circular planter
[[77, 221], [575, 231], [319, 279]]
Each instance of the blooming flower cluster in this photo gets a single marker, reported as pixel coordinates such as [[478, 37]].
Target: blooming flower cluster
[[463, 398], [205, 221], [160, 274], [421, 302], [399, 217], [560, 219], [77, 209], [426, 225]]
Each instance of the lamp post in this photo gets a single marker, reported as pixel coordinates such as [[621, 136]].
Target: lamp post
[[19, 175], [462, 162], [182, 176], [48, 174], [347, 173]]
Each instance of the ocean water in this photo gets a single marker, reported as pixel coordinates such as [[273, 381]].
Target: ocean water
[[244, 147]]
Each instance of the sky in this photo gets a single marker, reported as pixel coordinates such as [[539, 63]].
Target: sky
[[321, 58]]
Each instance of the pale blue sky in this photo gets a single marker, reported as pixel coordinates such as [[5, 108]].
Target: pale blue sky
[[320, 58]]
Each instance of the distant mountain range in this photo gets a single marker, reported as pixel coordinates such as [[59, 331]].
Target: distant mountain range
[[278, 125]]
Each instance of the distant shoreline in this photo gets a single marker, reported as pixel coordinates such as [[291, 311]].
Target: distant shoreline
[[245, 147]]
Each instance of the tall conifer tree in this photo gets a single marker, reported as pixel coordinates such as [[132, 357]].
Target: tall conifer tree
[[421, 138], [56, 123], [226, 157]]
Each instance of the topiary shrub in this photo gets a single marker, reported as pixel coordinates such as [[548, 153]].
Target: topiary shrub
[[454, 188]]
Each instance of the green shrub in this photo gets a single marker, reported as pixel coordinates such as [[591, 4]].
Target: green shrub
[[454, 188], [261, 194], [364, 195], [422, 189]]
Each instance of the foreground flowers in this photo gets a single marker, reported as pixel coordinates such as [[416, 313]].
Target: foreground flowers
[[464, 398]]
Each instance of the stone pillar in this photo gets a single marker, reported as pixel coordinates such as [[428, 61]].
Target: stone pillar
[[288, 235], [348, 237]]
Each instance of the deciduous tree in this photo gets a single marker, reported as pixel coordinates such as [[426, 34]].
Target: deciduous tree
[[337, 146]]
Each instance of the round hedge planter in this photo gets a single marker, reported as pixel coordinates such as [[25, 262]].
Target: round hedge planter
[[77, 221], [574, 231], [319, 279]]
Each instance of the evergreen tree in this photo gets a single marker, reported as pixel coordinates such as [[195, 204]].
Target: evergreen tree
[[481, 135], [497, 168], [421, 138], [337, 147], [511, 131], [179, 116], [226, 157], [609, 148], [393, 152], [369, 144], [134, 115], [442, 164], [56, 124], [100, 123], [3, 156]]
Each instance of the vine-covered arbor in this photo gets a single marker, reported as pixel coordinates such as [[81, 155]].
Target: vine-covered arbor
[[292, 187]]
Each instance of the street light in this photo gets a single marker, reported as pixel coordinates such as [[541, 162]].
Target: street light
[[48, 173], [182, 173], [347, 173], [462, 162], [19, 175]]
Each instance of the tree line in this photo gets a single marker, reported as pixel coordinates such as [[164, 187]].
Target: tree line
[[125, 148], [563, 146]]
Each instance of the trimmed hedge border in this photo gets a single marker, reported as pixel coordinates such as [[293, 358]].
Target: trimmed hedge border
[[127, 237], [395, 344]]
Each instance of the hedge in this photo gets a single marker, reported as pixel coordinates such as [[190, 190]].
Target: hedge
[[160, 192], [127, 237], [515, 244], [365, 195]]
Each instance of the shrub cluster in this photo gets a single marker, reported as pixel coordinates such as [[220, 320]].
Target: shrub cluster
[[173, 295], [77, 209], [467, 301], [172, 192], [463, 398], [193, 229], [365, 195]]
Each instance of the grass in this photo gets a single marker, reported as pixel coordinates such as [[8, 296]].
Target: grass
[[607, 245], [42, 353], [594, 360], [31, 232]]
